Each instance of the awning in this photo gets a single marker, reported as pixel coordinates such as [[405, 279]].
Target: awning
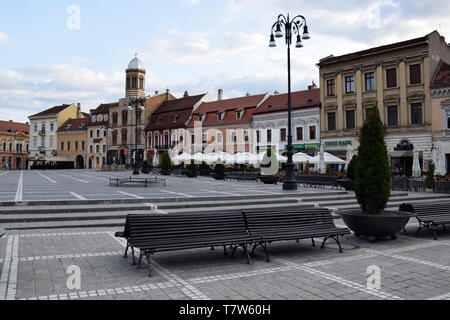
[[57, 159], [401, 154]]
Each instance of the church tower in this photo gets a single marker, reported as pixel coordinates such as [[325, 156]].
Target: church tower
[[135, 81]]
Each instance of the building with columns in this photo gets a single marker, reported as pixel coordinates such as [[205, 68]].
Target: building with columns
[[396, 78], [126, 126]]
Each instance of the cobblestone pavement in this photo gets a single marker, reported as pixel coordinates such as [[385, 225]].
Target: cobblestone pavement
[[34, 264], [92, 185]]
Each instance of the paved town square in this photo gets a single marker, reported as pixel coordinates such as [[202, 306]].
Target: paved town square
[[35, 263]]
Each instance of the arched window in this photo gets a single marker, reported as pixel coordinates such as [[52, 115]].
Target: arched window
[[124, 136], [10, 147], [17, 147], [128, 83], [124, 117]]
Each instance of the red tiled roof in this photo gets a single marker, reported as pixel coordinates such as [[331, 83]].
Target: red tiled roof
[[300, 100], [229, 106], [179, 104], [163, 117], [74, 125], [51, 111], [104, 108], [442, 76], [14, 127]]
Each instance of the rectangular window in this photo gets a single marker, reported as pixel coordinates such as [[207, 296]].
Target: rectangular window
[[331, 121], [414, 74], [90, 149], [105, 131], [219, 137], [97, 148], [124, 137], [35, 127], [245, 136], [115, 118], [192, 138], [82, 145], [98, 133], [76, 145], [416, 113], [269, 135], [51, 142], [62, 145], [391, 78], [90, 134], [233, 137], [370, 81], [300, 133], [68, 145], [350, 118], [392, 116], [52, 126], [350, 84], [312, 133], [283, 134], [104, 148], [258, 136], [331, 88], [448, 121]]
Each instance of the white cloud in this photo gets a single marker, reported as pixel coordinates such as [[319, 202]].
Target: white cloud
[[192, 3], [3, 37]]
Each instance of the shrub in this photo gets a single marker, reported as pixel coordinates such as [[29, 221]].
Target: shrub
[[193, 168], [429, 180], [307, 165], [373, 180], [351, 170], [166, 163], [328, 171]]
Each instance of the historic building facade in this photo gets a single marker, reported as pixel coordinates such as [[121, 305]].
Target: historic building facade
[[440, 92], [223, 125], [396, 78], [270, 123], [127, 127], [166, 126], [71, 144], [14, 145], [43, 131]]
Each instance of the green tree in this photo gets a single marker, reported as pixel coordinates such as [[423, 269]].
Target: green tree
[[328, 171], [373, 179], [351, 170], [429, 180], [166, 163]]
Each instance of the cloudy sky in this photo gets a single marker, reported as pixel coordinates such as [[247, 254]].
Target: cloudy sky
[[55, 52]]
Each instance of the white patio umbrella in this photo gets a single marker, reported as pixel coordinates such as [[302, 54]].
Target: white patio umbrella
[[301, 157], [280, 158], [155, 160], [225, 157], [416, 171], [198, 157], [321, 160], [211, 158], [328, 158], [439, 160], [184, 157], [349, 156]]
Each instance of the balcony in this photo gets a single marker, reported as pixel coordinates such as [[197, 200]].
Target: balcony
[[41, 132], [42, 148]]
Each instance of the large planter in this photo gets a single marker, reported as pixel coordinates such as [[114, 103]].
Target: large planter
[[269, 179], [166, 172], [375, 227], [219, 176]]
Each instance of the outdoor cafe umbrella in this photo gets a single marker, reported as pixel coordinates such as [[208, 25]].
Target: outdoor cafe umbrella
[[301, 157], [349, 156], [280, 158], [416, 171], [439, 159]]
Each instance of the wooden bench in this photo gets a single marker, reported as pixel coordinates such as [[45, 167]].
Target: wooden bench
[[158, 233], [318, 181], [292, 223], [429, 215], [2, 232]]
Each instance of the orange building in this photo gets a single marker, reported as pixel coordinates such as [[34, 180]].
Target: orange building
[[14, 139]]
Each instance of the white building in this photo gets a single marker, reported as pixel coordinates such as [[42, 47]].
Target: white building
[[270, 123], [43, 130]]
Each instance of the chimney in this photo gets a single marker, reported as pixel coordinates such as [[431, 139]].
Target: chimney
[[276, 93], [10, 121], [247, 94], [78, 110], [312, 86], [186, 94], [156, 93], [220, 95], [167, 93]]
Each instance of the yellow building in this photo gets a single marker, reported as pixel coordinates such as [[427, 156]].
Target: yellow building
[[396, 78], [71, 144], [440, 92]]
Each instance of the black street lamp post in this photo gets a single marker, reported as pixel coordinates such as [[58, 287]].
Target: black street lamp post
[[291, 27], [137, 105]]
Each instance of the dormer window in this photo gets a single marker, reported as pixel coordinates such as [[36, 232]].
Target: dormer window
[[220, 116], [239, 114], [93, 118], [175, 117], [99, 118], [202, 117], [105, 117]]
